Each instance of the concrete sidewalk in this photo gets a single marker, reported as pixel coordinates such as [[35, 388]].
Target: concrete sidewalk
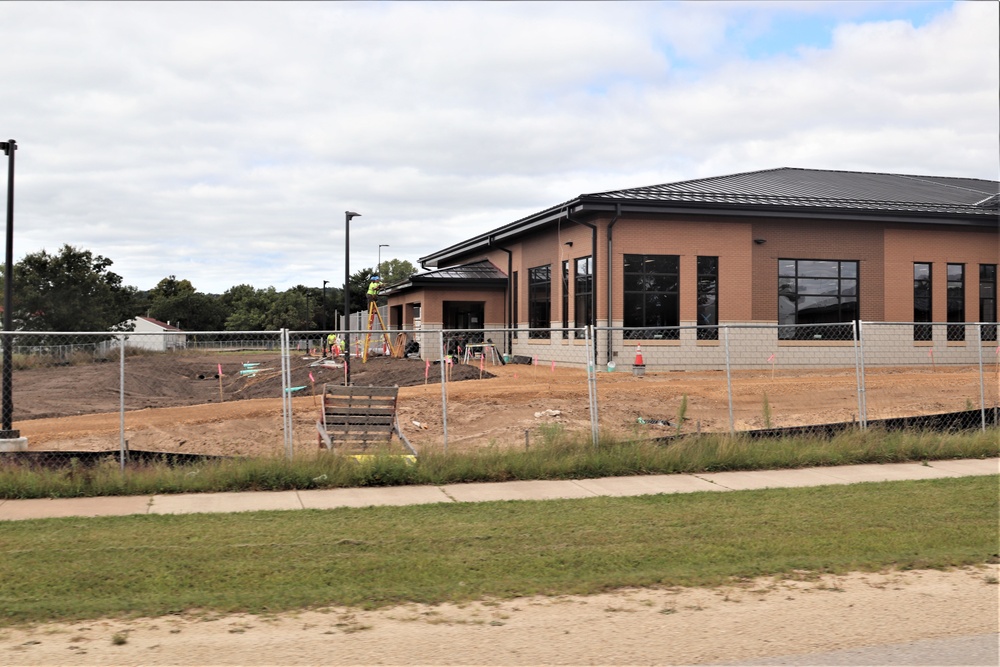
[[11, 510]]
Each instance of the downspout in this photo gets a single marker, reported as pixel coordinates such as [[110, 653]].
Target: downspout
[[593, 255], [618, 212], [491, 242]]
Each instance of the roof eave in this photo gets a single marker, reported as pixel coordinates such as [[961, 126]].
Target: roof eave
[[601, 205]]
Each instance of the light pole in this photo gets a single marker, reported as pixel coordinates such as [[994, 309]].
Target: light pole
[[347, 295], [378, 267], [8, 301], [324, 304]]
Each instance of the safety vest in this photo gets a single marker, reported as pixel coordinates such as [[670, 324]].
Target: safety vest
[[373, 288]]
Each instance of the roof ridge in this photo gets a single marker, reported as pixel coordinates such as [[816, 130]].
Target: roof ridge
[[931, 180], [690, 180]]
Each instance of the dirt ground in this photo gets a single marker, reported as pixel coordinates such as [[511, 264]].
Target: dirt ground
[[178, 404], [752, 619]]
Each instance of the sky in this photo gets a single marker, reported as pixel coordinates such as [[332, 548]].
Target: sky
[[221, 143]]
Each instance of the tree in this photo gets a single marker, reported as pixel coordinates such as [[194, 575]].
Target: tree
[[73, 290], [289, 310], [267, 309], [178, 302], [395, 270], [359, 289], [247, 307]]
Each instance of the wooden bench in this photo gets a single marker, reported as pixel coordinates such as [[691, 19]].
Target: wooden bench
[[359, 416]]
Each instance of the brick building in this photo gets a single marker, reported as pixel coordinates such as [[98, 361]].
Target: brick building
[[785, 246]]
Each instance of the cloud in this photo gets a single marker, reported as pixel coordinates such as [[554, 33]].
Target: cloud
[[221, 142]]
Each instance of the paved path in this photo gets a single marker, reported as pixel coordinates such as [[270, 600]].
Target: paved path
[[534, 490]]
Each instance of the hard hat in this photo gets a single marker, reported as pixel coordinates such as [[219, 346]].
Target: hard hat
[[375, 277]]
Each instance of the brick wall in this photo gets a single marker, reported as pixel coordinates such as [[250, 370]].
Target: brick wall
[[939, 246]]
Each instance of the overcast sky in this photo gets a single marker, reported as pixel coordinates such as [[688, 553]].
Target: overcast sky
[[222, 142]]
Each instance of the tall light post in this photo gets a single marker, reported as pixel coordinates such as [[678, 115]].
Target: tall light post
[[324, 304], [8, 433], [347, 295], [378, 267]]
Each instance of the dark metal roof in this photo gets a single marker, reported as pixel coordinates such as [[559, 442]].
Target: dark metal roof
[[786, 192], [823, 189], [482, 273]]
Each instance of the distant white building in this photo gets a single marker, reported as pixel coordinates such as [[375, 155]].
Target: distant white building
[[150, 334]]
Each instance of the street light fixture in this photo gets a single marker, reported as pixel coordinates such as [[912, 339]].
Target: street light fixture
[[347, 295], [378, 267], [9, 433]]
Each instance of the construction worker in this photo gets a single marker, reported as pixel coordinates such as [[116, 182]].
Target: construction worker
[[335, 344], [373, 289]]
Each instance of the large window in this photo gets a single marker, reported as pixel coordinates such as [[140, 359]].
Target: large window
[[922, 301], [651, 288], [816, 291], [956, 301], [583, 292], [539, 301], [988, 300], [708, 297]]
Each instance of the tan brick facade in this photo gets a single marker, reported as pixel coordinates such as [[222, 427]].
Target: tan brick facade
[[938, 246], [747, 270]]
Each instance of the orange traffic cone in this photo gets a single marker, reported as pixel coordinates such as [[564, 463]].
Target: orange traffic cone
[[638, 355]]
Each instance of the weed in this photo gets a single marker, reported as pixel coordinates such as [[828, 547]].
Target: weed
[[766, 411], [682, 413], [560, 455], [119, 638]]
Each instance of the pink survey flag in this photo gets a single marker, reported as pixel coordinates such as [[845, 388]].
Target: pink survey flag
[[220, 369]]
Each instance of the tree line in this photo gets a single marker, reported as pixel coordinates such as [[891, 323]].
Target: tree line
[[76, 290]]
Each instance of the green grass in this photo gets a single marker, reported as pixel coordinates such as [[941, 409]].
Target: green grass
[[556, 455], [263, 562]]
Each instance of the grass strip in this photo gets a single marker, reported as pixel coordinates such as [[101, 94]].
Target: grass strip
[[65, 569], [557, 455]]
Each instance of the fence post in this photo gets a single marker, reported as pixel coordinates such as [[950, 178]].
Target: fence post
[[729, 384], [286, 394], [444, 393], [589, 337], [982, 386], [859, 374], [121, 400]]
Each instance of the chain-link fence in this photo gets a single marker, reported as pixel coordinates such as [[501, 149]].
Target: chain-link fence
[[934, 375], [178, 396]]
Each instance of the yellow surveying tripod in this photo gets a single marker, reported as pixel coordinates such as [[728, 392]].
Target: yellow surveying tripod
[[372, 314]]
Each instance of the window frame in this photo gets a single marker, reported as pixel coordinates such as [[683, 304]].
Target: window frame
[[539, 301], [955, 301], [708, 287], [565, 298], [922, 318], [988, 302], [668, 328], [583, 292], [806, 274], [514, 302]]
